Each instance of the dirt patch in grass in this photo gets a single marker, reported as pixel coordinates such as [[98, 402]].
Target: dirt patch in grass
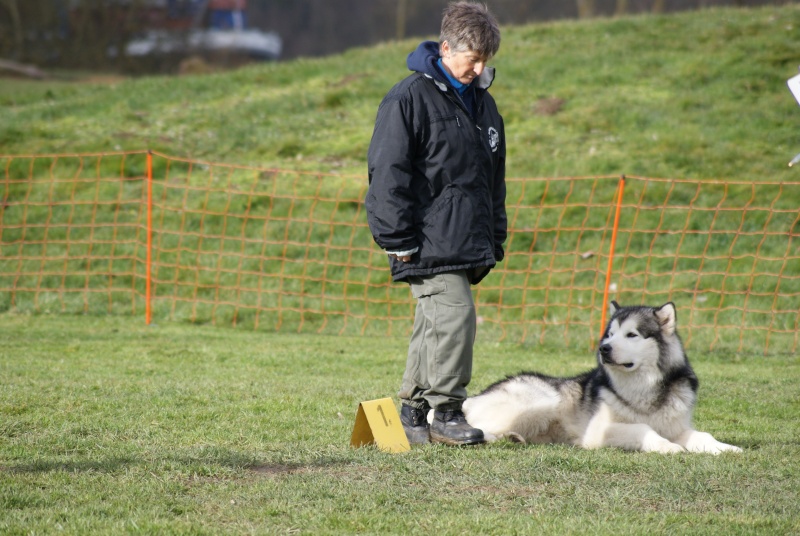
[[276, 469]]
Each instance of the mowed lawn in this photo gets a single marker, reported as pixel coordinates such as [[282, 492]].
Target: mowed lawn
[[109, 426]]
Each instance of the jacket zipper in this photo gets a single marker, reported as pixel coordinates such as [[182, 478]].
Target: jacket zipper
[[460, 105]]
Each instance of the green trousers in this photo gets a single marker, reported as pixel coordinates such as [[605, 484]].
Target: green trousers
[[439, 365]]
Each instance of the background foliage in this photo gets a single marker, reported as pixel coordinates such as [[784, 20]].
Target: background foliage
[[80, 33], [699, 95]]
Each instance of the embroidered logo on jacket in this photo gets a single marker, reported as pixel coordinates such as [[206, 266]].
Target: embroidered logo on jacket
[[494, 139]]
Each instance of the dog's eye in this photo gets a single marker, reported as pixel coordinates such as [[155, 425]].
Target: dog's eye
[[632, 335]]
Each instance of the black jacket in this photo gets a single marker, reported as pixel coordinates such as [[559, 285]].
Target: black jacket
[[437, 173]]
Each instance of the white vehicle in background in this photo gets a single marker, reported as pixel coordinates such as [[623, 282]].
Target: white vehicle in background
[[250, 43], [205, 28]]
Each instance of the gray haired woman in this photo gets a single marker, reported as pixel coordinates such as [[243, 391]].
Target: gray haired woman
[[436, 205]]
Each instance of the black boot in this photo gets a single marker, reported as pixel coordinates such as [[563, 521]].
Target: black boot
[[415, 424], [451, 428]]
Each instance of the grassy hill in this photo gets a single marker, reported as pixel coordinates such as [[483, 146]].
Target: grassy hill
[[109, 426], [700, 94]]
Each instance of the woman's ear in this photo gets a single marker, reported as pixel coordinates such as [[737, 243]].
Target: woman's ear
[[444, 49]]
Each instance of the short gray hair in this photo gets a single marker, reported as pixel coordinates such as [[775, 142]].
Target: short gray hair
[[470, 26]]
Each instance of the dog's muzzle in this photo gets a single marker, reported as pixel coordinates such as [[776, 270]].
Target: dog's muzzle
[[605, 354]]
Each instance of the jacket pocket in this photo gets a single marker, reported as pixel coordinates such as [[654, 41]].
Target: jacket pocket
[[427, 286], [447, 229], [439, 118]]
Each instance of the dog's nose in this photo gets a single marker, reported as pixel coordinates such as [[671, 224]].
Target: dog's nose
[[605, 353]]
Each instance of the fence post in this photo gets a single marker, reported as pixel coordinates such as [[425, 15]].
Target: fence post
[[620, 191], [147, 309]]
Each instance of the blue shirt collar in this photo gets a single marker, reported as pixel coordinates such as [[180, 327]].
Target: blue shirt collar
[[458, 86]]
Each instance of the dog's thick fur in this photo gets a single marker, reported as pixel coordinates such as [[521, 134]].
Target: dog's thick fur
[[639, 397]]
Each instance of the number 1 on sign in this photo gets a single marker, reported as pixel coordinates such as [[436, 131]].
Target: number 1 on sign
[[385, 422]]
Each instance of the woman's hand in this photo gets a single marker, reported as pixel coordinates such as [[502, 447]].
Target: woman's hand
[[404, 258]]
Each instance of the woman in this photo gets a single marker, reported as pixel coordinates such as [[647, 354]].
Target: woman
[[436, 205]]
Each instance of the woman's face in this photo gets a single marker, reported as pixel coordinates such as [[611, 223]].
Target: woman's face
[[463, 66]]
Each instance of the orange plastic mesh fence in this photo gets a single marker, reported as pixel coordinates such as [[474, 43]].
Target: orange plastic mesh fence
[[71, 233], [288, 250]]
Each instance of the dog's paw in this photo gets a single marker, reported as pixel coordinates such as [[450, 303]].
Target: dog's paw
[[704, 442], [716, 448], [652, 442], [662, 447], [669, 448]]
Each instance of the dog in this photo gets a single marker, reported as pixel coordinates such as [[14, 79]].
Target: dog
[[640, 397]]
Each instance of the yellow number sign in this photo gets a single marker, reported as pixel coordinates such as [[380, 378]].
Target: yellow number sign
[[377, 422]]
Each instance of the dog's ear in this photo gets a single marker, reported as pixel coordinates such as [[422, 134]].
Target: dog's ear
[[613, 307], [667, 318]]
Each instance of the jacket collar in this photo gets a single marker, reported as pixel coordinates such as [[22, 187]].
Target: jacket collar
[[424, 60]]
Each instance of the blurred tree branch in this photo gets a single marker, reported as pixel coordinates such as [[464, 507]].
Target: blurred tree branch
[[13, 10]]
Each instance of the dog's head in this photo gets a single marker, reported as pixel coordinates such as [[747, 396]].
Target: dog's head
[[640, 336]]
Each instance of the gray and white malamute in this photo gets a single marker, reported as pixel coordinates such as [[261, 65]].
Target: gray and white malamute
[[639, 397]]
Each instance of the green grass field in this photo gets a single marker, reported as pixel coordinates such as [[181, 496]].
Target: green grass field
[[109, 427]]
